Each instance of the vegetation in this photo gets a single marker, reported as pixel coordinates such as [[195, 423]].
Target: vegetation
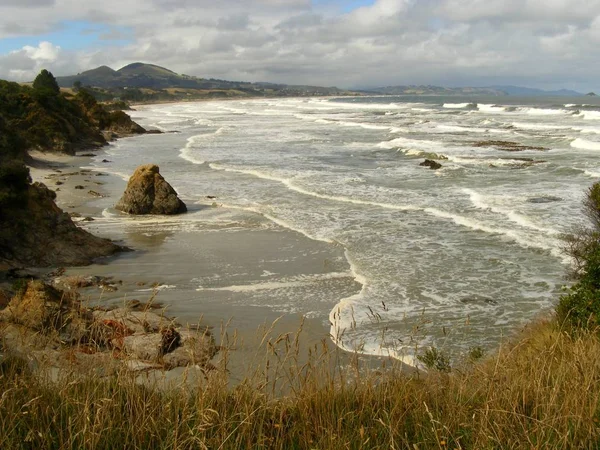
[[42, 118], [140, 82], [580, 307], [46, 84], [542, 391]]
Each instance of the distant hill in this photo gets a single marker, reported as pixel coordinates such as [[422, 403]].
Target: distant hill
[[466, 91], [532, 92], [434, 91], [149, 76]]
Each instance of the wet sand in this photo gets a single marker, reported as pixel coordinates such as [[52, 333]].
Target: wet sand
[[203, 269]]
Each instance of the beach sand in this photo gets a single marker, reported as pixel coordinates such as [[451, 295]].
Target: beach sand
[[205, 270]]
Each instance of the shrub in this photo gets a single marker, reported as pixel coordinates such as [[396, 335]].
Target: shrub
[[46, 84], [580, 307]]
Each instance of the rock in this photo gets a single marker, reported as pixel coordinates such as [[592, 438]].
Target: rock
[[79, 187], [145, 347], [42, 235], [545, 199], [197, 348], [434, 165], [104, 161], [95, 194], [58, 182], [507, 146], [212, 197], [137, 321], [148, 193], [154, 132], [88, 219]]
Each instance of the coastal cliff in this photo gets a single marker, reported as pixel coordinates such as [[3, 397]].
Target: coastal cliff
[[33, 230]]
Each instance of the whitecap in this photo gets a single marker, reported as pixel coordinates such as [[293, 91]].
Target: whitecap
[[585, 144]]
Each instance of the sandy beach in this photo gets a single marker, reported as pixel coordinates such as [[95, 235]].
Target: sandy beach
[[200, 274]]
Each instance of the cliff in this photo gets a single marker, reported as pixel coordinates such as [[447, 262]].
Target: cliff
[[33, 230]]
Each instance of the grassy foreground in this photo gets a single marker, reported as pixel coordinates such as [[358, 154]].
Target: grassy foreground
[[541, 392]]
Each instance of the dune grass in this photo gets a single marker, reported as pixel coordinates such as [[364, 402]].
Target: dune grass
[[541, 392]]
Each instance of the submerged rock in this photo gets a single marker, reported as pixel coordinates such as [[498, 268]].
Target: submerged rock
[[434, 165], [149, 193]]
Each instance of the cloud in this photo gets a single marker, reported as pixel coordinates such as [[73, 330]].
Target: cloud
[[448, 42], [24, 64]]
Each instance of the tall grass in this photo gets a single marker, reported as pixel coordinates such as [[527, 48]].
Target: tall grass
[[541, 392]]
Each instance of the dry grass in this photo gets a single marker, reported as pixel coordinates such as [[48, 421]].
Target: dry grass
[[542, 392]]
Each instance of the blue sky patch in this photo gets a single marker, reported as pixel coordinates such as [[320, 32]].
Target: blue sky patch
[[73, 35], [344, 5]]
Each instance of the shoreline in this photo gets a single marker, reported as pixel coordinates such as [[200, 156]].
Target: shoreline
[[247, 324]]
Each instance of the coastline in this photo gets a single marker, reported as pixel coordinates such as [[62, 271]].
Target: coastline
[[156, 271]]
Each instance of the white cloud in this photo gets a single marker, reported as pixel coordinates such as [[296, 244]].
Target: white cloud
[[533, 42]]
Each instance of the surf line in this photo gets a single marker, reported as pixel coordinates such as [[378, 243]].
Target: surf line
[[457, 219]]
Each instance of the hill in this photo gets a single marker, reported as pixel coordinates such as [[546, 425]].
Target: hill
[[152, 82], [532, 92], [467, 91], [434, 91]]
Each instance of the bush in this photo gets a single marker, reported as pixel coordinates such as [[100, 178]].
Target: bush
[[580, 307], [14, 184], [46, 84]]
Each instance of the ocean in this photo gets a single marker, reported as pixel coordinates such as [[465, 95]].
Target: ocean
[[456, 258]]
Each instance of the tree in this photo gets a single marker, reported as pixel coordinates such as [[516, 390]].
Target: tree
[[77, 86], [46, 84]]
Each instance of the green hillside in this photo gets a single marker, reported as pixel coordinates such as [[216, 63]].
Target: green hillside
[[164, 84]]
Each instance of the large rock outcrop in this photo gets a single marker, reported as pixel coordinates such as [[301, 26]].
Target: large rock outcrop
[[51, 327], [148, 193], [37, 233]]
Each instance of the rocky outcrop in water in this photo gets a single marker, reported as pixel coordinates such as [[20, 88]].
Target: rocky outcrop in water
[[434, 165], [149, 193]]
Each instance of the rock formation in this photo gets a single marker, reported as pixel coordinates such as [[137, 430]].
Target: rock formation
[[434, 165], [51, 327], [148, 193], [37, 233]]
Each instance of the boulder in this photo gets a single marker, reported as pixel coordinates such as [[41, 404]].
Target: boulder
[[197, 347], [434, 165], [148, 193]]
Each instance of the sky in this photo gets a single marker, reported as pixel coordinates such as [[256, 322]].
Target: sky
[[549, 44]]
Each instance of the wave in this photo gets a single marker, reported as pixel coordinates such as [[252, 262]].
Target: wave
[[342, 320], [589, 115], [538, 126], [186, 152], [591, 173], [288, 183], [410, 143], [478, 201], [543, 111], [457, 105], [456, 218], [297, 281], [587, 130], [585, 144], [495, 109]]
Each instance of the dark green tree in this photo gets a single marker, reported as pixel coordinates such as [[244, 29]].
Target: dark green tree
[[46, 84]]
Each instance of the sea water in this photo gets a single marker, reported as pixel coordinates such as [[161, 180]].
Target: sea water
[[455, 257]]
